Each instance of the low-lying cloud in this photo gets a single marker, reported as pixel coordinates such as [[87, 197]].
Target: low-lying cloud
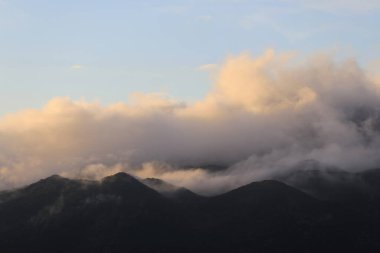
[[264, 115]]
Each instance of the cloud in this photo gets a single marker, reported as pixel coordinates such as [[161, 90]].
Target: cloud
[[207, 67], [265, 115], [94, 171], [373, 70]]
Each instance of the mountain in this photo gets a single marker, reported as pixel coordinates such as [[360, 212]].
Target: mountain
[[123, 214], [337, 185], [62, 215], [171, 191]]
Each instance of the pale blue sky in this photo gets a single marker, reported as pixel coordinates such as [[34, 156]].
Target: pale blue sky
[[104, 50]]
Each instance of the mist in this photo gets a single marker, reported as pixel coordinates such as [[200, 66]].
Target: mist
[[264, 115]]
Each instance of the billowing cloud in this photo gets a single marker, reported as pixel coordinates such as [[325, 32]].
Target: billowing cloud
[[264, 115]]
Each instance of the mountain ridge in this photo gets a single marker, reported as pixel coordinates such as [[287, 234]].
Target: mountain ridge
[[120, 213]]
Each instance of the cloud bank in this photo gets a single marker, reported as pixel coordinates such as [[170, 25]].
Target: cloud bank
[[264, 115]]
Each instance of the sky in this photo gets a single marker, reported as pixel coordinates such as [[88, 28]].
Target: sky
[[209, 95], [105, 50]]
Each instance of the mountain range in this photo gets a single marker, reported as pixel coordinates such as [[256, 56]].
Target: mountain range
[[300, 211]]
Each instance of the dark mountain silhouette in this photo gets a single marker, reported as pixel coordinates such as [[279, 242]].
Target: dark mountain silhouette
[[122, 214], [337, 185]]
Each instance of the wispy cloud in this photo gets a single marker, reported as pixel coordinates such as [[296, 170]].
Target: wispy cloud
[[272, 19], [207, 67]]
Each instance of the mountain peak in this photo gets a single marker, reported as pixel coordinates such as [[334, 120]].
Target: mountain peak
[[125, 184], [52, 181], [169, 190], [267, 190], [123, 176], [55, 177]]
